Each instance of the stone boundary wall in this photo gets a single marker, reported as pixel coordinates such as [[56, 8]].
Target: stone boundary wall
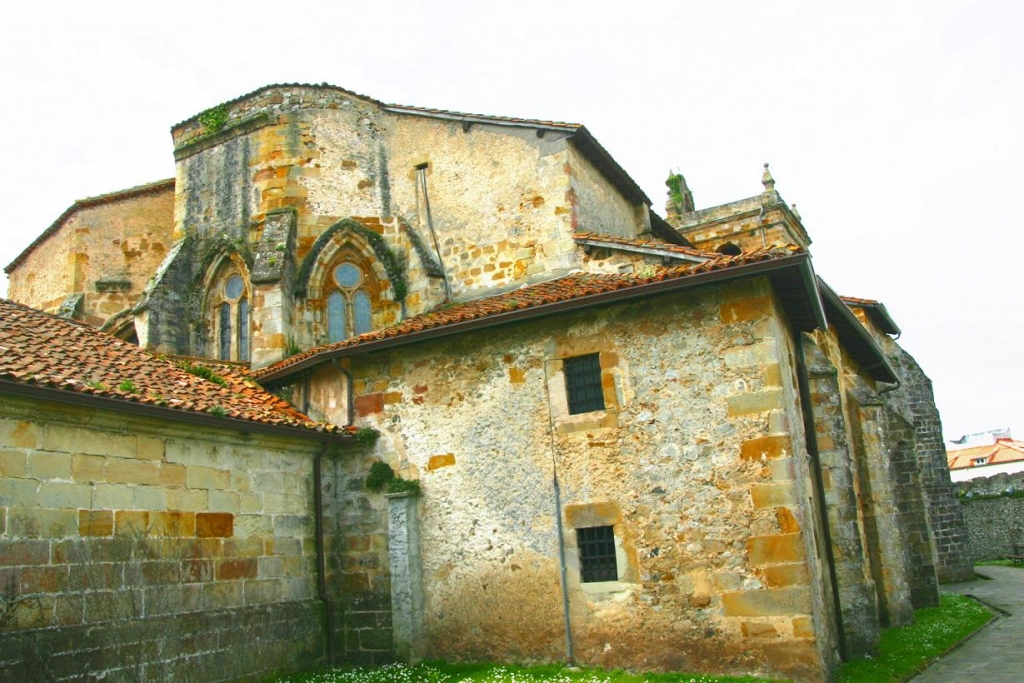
[[212, 645], [137, 550], [993, 509]]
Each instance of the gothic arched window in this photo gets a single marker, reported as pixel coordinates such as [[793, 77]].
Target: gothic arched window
[[349, 306], [231, 316]]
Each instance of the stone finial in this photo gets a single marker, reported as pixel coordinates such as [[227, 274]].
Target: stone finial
[[767, 180], [680, 198], [795, 212]]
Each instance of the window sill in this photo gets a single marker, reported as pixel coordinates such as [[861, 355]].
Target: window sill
[[608, 590], [599, 419]]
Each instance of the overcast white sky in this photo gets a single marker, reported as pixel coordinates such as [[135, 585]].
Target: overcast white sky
[[895, 126]]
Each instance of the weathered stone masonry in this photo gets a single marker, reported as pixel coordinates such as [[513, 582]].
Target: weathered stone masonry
[[693, 462], [139, 550], [765, 469]]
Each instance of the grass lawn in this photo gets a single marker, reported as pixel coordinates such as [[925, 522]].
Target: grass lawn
[[905, 650], [1000, 563], [438, 672], [902, 652]]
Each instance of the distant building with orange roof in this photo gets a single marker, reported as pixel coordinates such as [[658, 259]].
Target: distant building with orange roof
[[1004, 455]]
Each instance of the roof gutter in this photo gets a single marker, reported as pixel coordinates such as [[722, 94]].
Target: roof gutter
[[801, 261], [164, 413]]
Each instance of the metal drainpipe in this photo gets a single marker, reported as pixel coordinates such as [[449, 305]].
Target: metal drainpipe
[[570, 657], [819, 483], [318, 510], [894, 387], [421, 177], [321, 553]]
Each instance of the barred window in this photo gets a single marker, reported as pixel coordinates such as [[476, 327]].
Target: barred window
[[597, 554], [583, 383]]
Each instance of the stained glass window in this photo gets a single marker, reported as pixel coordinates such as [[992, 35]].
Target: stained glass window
[[349, 306], [231, 316], [336, 327]]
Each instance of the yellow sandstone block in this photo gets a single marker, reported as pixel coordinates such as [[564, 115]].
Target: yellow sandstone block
[[772, 495], [436, 462], [756, 402], [768, 447], [87, 468], [775, 549], [767, 603], [743, 310], [125, 471]]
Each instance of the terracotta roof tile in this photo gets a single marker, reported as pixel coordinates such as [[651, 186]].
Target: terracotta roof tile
[[855, 301], [570, 287], [876, 310], [1003, 450], [43, 350]]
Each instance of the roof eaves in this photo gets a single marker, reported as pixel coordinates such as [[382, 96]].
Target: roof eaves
[[877, 312], [772, 266], [606, 163], [88, 202], [664, 230], [858, 342]]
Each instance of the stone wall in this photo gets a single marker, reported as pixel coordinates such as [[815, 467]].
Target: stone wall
[[106, 249], [749, 224], [692, 462], [993, 511], [130, 547]]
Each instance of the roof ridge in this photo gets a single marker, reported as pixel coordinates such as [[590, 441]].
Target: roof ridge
[[387, 105], [569, 287]]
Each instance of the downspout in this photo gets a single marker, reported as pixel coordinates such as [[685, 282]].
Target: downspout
[[896, 385], [321, 553], [318, 515], [570, 657], [421, 177], [819, 483]]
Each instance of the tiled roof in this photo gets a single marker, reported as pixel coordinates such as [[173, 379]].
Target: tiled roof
[[642, 245], [110, 197], [876, 311], [1003, 450], [41, 350], [855, 301], [574, 287]]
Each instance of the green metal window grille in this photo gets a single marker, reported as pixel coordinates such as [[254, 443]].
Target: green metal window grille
[[597, 554], [583, 384]]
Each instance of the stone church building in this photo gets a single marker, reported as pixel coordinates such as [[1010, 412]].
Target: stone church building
[[640, 442]]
